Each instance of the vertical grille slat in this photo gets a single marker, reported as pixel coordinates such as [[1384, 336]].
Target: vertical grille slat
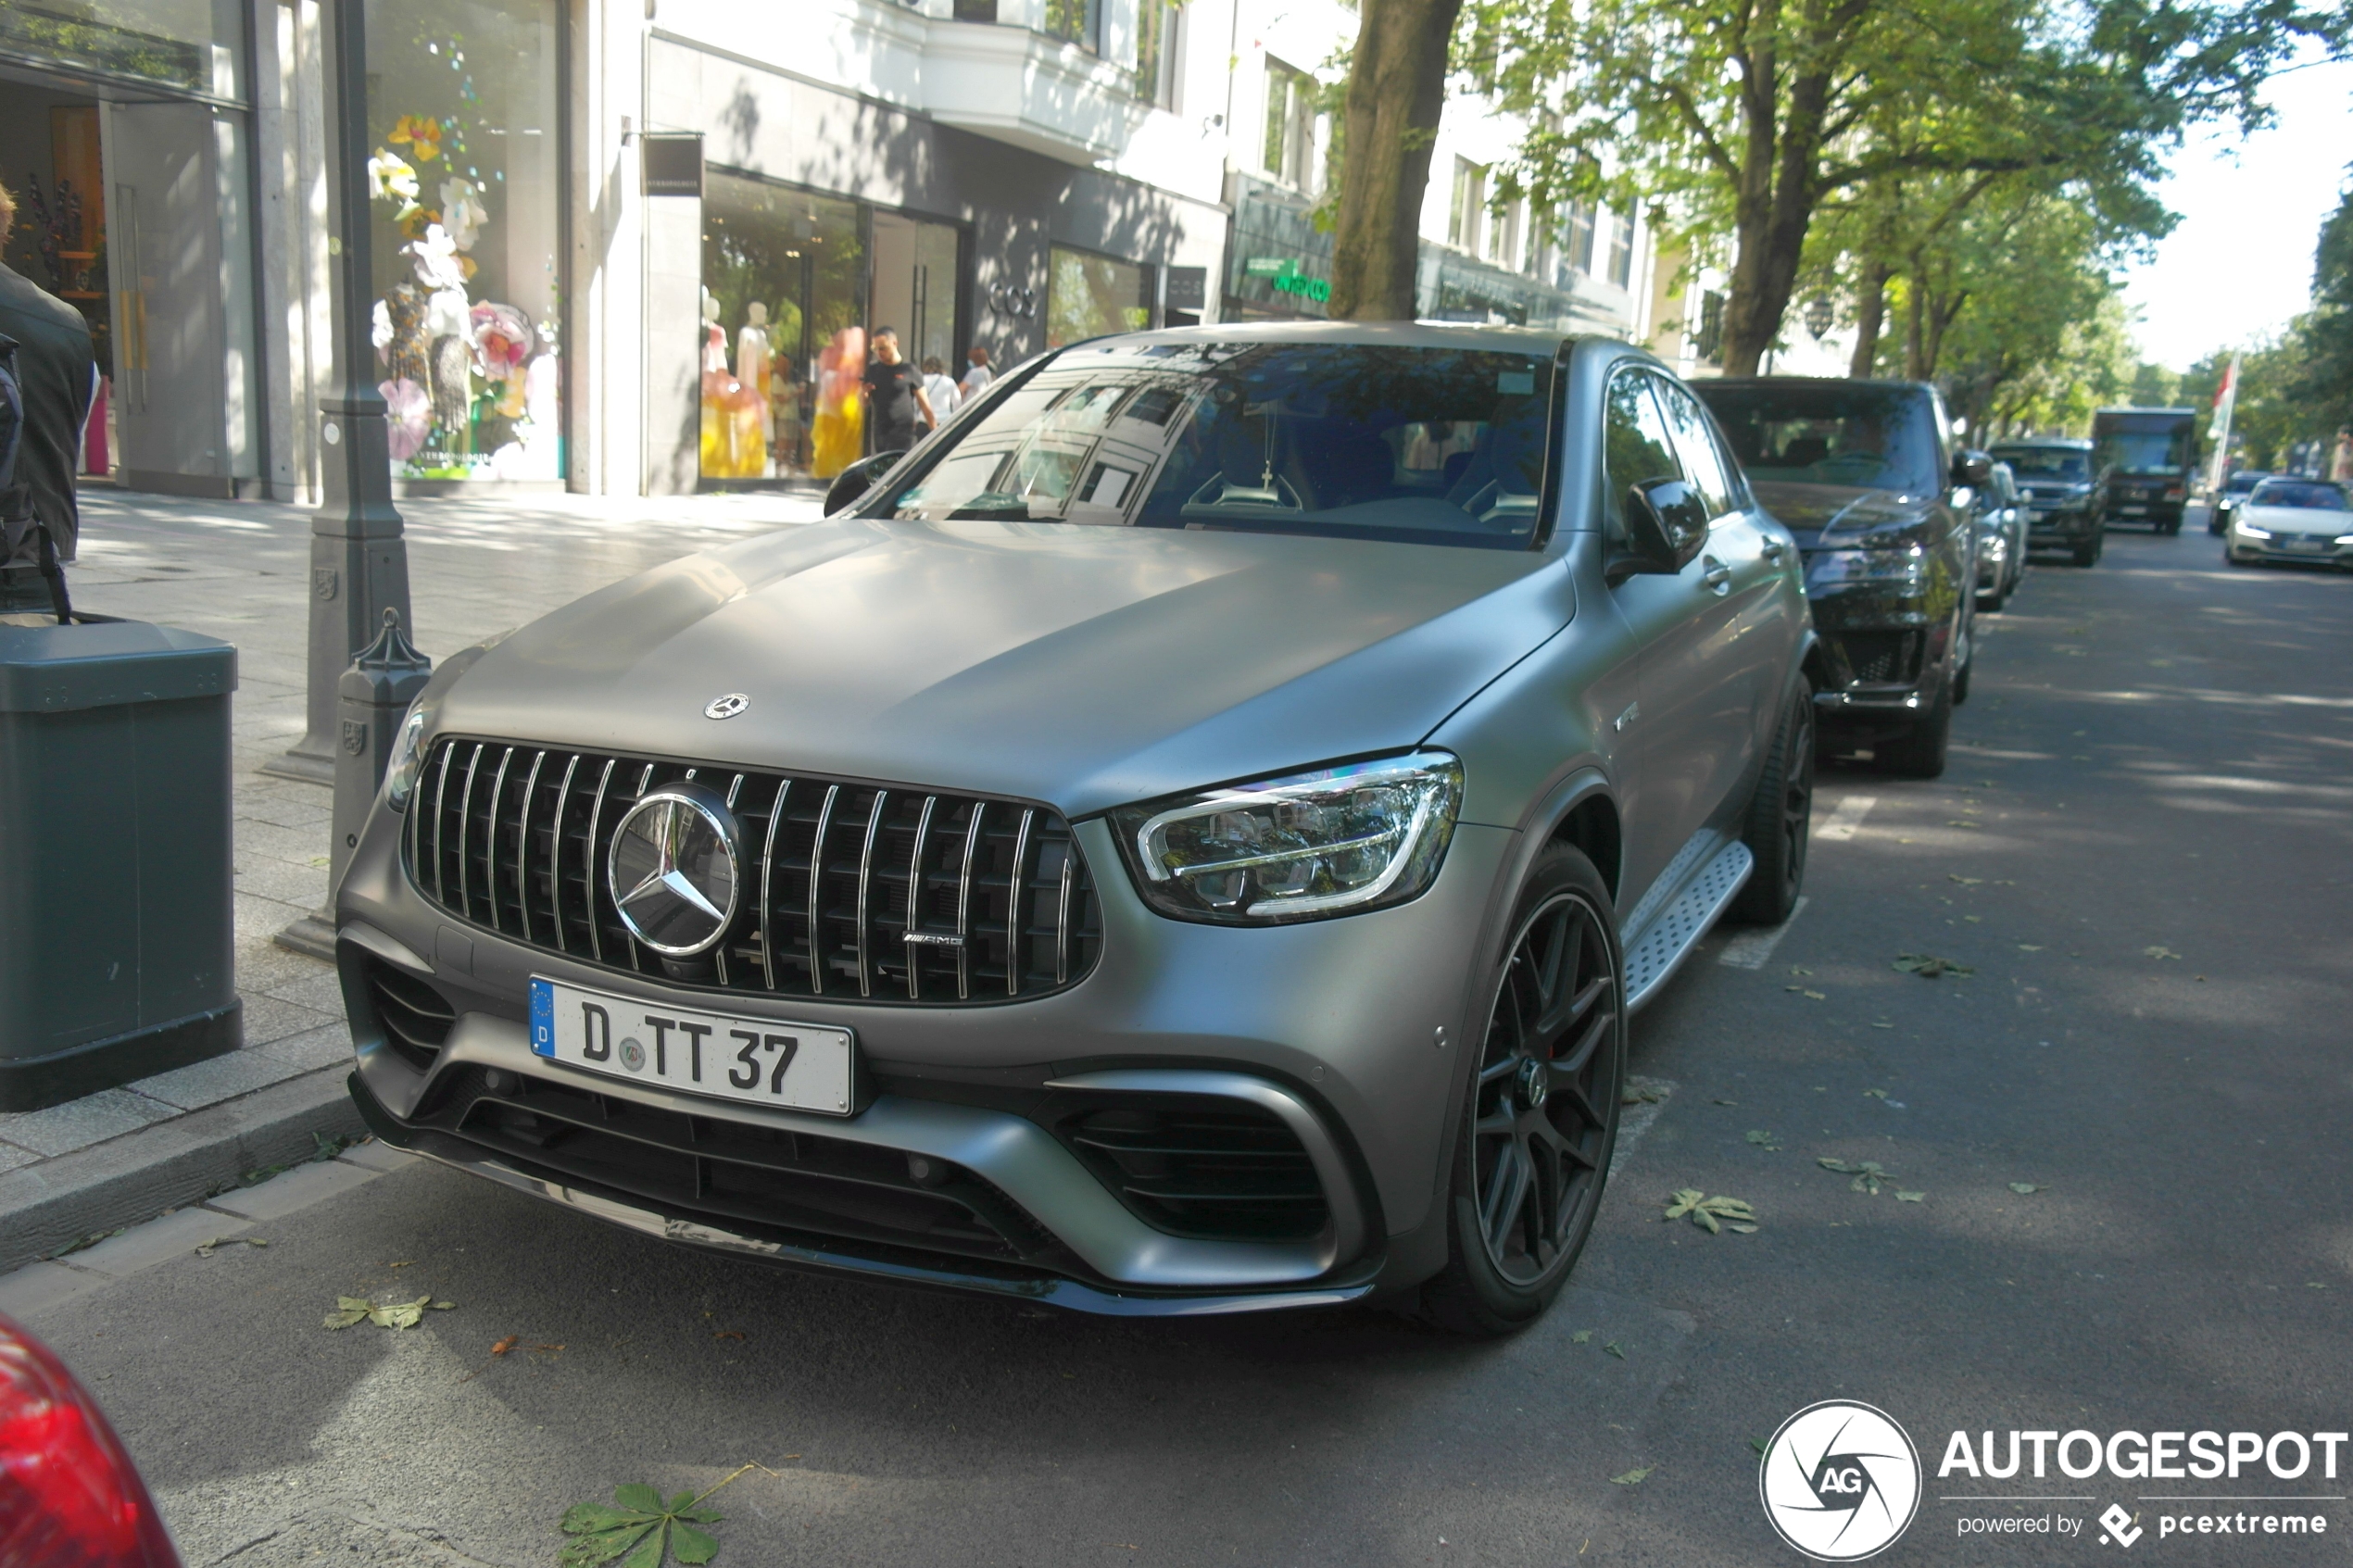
[[530, 830], [817, 893], [766, 912]]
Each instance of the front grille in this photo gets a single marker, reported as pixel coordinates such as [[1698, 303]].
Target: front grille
[[1878, 658], [1226, 1172], [741, 1177], [836, 876]]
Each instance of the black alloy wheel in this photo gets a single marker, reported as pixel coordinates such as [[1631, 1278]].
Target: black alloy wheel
[[1781, 818], [1544, 1105]]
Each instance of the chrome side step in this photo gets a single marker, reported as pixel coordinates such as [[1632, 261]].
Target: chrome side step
[[1668, 938]]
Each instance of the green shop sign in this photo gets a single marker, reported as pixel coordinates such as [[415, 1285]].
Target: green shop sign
[[1282, 274]]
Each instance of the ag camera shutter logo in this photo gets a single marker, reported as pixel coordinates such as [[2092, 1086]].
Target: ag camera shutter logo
[[1841, 1481]]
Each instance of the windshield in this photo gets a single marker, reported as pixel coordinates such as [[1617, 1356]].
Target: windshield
[[2316, 494], [1422, 445], [1847, 434], [2144, 451], [2069, 463], [2245, 480]]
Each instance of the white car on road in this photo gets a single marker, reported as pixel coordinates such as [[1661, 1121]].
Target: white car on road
[[2292, 520]]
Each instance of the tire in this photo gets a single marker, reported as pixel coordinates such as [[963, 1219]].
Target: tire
[[2235, 560], [2214, 523], [1960, 682], [2087, 552], [1781, 818], [1921, 753], [1510, 1248]]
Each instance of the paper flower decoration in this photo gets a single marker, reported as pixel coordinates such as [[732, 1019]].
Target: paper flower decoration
[[409, 413], [462, 212], [421, 133], [501, 340], [390, 178]]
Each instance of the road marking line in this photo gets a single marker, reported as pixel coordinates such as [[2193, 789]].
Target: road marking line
[[1635, 1119], [1751, 948], [1846, 819]]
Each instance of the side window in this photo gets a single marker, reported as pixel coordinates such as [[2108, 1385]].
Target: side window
[[1703, 459], [1636, 447]]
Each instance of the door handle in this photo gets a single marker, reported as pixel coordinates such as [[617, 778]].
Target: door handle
[[1718, 576], [1773, 548]]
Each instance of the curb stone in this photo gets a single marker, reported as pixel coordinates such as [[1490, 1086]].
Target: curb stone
[[169, 1165]]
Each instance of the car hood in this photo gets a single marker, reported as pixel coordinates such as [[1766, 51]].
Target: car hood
[[1840, 517], [1080, 666], [2295, 520]]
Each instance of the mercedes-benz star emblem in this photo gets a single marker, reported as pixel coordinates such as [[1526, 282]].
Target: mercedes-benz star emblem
[[674, 870], [726, 706]]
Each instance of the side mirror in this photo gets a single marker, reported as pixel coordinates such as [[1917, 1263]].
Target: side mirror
[[1972, 468], [856, 479], [1665, 526]]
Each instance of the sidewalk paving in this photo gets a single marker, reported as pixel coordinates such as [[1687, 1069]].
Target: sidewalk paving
[[240, 572]]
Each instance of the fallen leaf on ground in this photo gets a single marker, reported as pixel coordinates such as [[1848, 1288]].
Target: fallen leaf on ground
[[350, 1310], [1964, 880], [1762, 1139], [1714, 1215], [1876, 1093], [1927, 966], [2160, 953], [2025, 1188], [1799, 968], [1868, 1173], [1642, 1097], [205, 1250], [1909, 1197], [1612, 1348], [1582, 1335], [1818, 995], [643, 1526], [1727, 1102], [1881, 1024], [2029, 946], [727, 1334], [506, 1345], [1957, 822], [1759, 1444], [1634, 1477]]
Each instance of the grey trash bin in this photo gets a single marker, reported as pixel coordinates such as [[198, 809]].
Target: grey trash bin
[[116, 925]]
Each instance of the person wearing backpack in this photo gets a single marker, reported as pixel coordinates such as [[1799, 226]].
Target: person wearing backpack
[[53, 376]]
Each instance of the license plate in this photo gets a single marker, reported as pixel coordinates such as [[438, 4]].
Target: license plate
[[2313, 547], [2131, 511], [755, 1061]]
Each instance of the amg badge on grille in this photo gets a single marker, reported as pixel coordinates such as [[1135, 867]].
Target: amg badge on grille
[[726, 706]]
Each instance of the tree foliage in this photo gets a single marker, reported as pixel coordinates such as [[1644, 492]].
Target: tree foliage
[[1743, 117]]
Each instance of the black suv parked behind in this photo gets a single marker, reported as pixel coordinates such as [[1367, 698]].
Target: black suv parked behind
[[2055, 478], [1865, 475]]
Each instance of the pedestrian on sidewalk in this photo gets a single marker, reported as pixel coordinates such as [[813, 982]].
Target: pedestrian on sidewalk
[[57, 376], [943, 392], [894, 394], [976, 380]]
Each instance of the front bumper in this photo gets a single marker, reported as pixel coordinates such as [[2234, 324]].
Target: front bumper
[[2325, 551], [2056, 529], [1321, 1032]]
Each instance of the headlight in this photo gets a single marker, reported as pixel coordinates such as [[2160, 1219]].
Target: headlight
[[408, 758], [1905, 569], [1299, 848], [2252, 532]]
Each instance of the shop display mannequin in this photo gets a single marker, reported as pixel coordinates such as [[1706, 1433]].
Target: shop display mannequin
[[753, 358]]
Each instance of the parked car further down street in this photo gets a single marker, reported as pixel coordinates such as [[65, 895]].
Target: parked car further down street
[[2226, 501], [2001, 538], [2055, 479], [2305, 522], [1187, 838], [1862, 473]]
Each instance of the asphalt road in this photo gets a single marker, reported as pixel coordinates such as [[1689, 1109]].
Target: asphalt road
[[2143, 850]]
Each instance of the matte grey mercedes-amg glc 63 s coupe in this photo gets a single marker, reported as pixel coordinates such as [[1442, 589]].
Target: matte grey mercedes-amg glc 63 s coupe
[[1186, 839]]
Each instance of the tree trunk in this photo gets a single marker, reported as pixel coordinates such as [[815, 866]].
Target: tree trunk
[[1396, 87], [1915, 324], [1870, 310], [1772, 212]]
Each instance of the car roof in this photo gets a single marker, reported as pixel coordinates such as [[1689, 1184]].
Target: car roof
[[2043, 444], [1396, 334], [1884, 384]]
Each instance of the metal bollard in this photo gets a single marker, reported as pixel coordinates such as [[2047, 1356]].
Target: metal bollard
[[371, 698]]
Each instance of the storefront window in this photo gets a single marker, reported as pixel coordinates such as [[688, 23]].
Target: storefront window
[[189, 44], [1088, 296], [784, 280], [462, 117]]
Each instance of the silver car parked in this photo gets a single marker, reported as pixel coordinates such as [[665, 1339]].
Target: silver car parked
[[1186, 839]]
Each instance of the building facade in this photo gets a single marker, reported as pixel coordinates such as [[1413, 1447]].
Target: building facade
[[643, 247]]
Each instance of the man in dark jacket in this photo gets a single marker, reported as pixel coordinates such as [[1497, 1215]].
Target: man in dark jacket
[[55, 372]]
